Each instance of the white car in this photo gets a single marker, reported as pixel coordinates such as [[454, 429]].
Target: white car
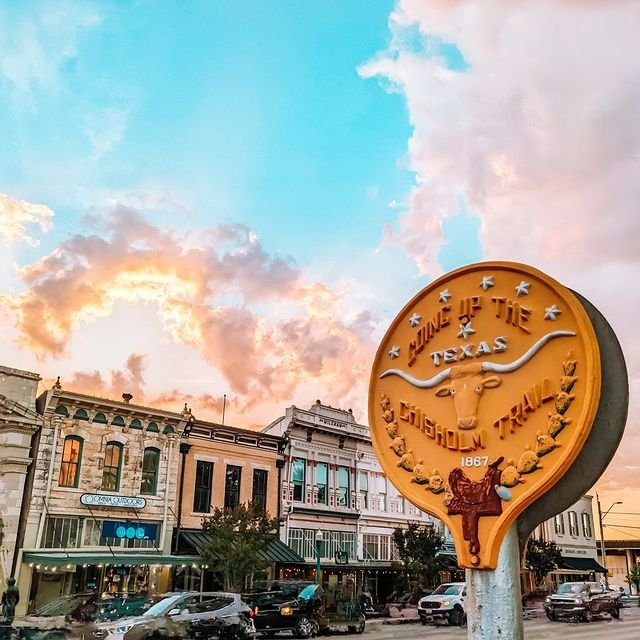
[[446, 602]]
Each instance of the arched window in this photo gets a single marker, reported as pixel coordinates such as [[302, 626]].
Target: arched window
[[100, 418], [70, 467], [118, 421], [112, 466], [168, 430], [152, 426], [135, 424], [61, 410], [81, 414], [150, 465]]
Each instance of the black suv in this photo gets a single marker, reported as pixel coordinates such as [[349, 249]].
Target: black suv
[[581, 600], [287, 605]]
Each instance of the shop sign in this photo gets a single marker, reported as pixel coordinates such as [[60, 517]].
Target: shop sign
[[482, 394], [129, 530], [122, 502]]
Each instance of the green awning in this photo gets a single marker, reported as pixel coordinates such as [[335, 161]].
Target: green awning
[[585, 565], [275, 551], [60, 559]]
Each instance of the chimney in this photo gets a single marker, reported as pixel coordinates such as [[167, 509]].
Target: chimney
[[126, 398]]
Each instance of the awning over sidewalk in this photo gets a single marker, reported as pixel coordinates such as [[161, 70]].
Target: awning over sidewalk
[[60, 559], [584, 565], [275, 551]]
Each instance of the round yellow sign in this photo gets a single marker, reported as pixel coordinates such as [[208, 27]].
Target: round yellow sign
[[482, 393]]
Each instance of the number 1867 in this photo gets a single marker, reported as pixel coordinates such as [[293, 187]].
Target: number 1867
[[474, 461]]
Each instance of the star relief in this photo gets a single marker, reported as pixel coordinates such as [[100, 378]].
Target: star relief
[[465, 330], [394, 352], [487, 282], [414, 320], [551, 313], [523, 288], [444, 296]]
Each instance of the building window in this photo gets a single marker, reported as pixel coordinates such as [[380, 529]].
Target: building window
[[112, 465], [70, 467], [586, 525], [322, 482], [100, 418], [61, 410], [363, 488], [61, 533], [150, 465], [80, 414], [573, 523], [202, 490], [118, 421], [259, 493], [232, 487], [343, 487], [135, 424], [298, 473], [382, 493], [559, 524]]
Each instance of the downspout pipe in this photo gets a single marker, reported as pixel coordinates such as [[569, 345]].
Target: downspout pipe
[[184, 451]]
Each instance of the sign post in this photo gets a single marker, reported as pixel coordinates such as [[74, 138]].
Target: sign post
[[482, 394]]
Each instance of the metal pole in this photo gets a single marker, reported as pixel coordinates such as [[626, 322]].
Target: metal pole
[[318, 549], [224, 407], [494, 600], [603, 551]]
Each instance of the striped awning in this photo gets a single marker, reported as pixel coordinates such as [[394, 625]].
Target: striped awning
[[275, 551]]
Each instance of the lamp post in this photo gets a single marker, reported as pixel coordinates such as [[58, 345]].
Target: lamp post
[[318, 554], [603, 552]]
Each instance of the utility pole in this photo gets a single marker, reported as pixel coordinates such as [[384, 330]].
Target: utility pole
[[603, 551]]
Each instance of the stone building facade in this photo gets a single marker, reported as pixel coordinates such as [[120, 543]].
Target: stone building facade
[[332, 483], [19, 424], [101, 510]]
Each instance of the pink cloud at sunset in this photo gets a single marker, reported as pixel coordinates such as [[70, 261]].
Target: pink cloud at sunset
[[537, 132], [204, 289]]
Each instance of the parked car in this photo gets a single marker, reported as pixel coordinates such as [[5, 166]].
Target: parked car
[[287, 605], [70, 616], [183, 615], [581, 600], [447, 602]]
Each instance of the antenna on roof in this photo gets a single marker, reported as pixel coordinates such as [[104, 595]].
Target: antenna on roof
[[224, 406]]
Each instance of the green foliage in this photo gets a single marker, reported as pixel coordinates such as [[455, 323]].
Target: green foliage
[[542, 557], [236, 538], [634, 578], [418, 546]]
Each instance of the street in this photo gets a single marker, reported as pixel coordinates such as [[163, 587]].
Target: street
[[627, 628]]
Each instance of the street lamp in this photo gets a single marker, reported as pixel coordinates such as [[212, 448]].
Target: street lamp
[[603, 552], [318, 553]]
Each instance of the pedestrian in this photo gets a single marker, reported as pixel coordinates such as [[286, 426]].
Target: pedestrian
[[10, 599]]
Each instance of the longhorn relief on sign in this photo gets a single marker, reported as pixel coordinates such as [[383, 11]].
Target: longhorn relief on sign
[[468, 381]]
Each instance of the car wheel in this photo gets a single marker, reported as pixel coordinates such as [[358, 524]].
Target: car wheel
[[304, 627], [423, 620], [552, 616], [615, 612], [587, 616], [456, 617], [243, 631], [359, 628]]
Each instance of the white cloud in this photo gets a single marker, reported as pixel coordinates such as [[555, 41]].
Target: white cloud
[[15, 215]]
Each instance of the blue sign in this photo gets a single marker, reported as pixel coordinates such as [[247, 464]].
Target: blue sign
[[129, 530]]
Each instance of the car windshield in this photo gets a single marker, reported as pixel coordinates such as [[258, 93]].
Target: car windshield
[[163, 605], [64, 606], [447, 590], [571, 587]]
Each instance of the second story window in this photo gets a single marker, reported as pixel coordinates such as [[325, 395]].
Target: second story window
[[298, 477], [202, 489], [322, 482], [70, 467], [259, 493], [112, 466], [586, 525], [343, 487], [232, 487], [559, 524], [150, 465], [573, 523], [363, 487]]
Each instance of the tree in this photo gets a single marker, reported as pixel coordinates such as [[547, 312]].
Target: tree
[[542, 557], [237, 536], [418, 547], [634, 578]]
